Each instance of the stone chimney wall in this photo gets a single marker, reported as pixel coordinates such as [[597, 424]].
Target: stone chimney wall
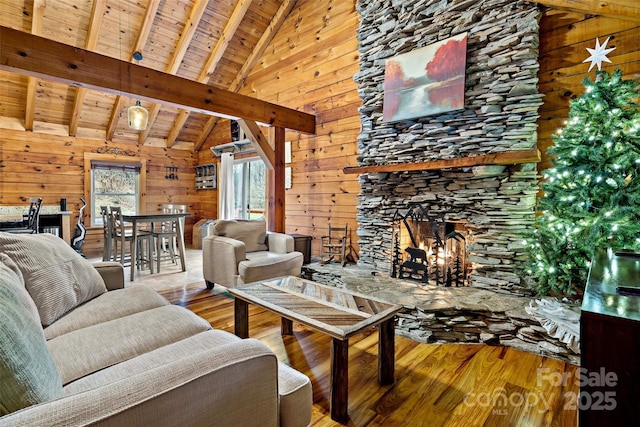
[[501, 111]]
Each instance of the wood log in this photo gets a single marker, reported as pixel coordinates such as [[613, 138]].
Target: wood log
[[505, 158]]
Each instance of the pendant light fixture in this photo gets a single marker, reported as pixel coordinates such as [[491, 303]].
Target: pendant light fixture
[[138, 115]]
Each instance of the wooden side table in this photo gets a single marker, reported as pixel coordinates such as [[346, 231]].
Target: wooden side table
[[302, 243]]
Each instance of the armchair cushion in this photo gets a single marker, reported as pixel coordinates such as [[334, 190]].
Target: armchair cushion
[[57, 277], [27, 371], [253, 233], [267, 265]]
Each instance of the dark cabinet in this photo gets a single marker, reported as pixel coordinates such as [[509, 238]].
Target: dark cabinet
[[610, 342]]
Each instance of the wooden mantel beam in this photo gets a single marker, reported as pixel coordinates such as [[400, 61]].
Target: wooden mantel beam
[[36, 56], [622, 9], [503, 158]]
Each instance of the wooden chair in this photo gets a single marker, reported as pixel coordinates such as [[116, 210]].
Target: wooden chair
[[30, 221], [122, 235], [335, 245]]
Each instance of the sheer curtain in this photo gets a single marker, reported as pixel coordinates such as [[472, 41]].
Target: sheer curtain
[[226, 206]]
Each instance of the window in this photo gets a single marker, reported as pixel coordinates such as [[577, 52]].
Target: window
[[113, 181], [250, 185]]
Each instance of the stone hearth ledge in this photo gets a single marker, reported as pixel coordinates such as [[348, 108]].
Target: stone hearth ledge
[[436, 315]]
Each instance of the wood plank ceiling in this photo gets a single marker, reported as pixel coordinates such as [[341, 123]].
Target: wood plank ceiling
[[211, 42]]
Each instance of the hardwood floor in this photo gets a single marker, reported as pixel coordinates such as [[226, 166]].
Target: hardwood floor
[[436, 385]]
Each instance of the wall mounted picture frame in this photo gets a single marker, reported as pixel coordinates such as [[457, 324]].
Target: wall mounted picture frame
[[426, 81]]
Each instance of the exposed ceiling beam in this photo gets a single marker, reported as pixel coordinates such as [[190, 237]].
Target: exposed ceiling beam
[[32, 83], [259, 142], [214, 59], [622, 9], [188, 32], [31, 55], [113, 120], [143, 36], [278, 19], [97, 13]]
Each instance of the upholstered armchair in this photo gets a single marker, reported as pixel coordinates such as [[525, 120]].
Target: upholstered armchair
[[242, 251]]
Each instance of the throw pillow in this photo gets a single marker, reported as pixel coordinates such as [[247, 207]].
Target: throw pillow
[[27, 372], [252, 232], [10, 275], [57, 277]]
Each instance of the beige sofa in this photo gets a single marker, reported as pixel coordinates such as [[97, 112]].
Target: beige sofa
[[78, 348], [243, 251]]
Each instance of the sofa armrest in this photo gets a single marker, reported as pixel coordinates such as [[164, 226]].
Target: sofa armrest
[[235, 384], [220, 259], [112, 273], [280, 243]]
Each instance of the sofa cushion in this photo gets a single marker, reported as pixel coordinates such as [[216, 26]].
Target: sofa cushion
[[201, 342], [267, 265], [27, 372], [57, 277], [253, 233], [108, 306], [294, 388], [100, 346]]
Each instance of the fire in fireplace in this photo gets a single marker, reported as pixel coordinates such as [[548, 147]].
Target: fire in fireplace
[[428, 249]]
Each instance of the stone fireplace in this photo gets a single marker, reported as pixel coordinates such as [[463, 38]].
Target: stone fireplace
[[417, 162], [471, 171]]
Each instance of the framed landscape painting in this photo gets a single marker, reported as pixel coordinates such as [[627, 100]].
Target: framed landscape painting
[[426, 81]]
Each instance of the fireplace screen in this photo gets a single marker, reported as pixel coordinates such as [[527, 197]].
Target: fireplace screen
[[428, 249]]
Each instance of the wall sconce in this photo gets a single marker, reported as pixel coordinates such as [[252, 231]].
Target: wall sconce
[[171, 172]]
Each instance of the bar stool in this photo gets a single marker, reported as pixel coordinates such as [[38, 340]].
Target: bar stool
[[31, 221], [107, 234], [123, 236], [166, 238]]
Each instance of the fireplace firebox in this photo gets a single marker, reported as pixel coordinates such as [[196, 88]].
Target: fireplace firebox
[[428, 249]]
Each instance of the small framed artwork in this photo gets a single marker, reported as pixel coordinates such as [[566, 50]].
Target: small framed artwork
[[427, 81]]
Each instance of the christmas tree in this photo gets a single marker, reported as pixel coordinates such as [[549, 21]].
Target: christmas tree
[[592, 192]]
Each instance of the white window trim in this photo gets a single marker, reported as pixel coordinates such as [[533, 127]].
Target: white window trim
[[142, 190]]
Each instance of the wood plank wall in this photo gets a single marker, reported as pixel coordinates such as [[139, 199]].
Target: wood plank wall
[[50, 166], [564, 39], [310, 65]]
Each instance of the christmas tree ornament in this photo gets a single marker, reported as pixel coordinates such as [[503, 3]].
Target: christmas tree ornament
[[599, 54]]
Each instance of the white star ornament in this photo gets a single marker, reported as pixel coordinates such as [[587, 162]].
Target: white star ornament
[[599, 54]]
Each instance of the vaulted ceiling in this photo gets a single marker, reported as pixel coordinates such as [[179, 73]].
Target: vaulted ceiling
[[212, 42]]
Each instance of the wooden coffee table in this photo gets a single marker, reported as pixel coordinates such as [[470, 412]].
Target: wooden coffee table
[[336, 312]]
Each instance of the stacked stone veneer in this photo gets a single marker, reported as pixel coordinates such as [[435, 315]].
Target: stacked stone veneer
[[501, 111]]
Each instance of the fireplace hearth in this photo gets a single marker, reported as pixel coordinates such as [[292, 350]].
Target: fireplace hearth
[[428, 249]]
